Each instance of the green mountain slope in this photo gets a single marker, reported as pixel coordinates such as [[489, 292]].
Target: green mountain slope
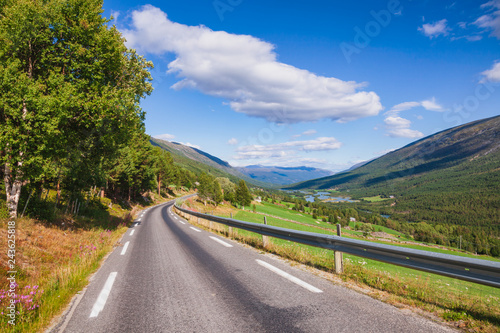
[[199, 161], [452, 177]]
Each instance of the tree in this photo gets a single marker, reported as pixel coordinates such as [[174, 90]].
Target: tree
[[243, 195], [217, 192], [70, 91], [164, 166]]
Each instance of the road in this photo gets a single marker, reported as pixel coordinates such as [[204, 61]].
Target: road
[[170, 276]]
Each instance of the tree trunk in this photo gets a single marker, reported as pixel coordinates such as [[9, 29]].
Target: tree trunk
[[159, 184], [13, 186], [58, 188]]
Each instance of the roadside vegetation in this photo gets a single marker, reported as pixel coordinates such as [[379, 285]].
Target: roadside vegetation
[[55, 258], [465, 305]]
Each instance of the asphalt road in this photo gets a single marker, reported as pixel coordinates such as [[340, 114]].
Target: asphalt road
[[170, 276]]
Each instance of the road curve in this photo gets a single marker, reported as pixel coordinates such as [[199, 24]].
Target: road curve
[[170, 276]]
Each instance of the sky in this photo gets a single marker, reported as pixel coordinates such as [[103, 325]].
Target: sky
[[325, 84]]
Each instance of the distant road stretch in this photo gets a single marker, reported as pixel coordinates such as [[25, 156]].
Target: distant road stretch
[[170, 276]]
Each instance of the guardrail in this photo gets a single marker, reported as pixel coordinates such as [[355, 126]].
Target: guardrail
[[469, 269]]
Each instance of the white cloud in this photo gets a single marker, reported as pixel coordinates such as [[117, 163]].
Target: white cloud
[[431, 105], [428, 104], [296, 161], [492, 74], [308, 132], [115, 14], [167, 137], [404, 106], [398, 127], [491, 4], [190, 145], [287, 149], [244, 70], [473, 38], [232, 141], [490, 21], [397, 122], [435, 29]]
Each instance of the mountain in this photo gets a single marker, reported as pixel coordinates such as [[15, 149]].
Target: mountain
[[198, 161], [452, 176], [282, 175], [357, 165]]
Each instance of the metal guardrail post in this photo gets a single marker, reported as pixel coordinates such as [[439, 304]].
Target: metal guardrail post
[[339, 260], [265, 240], [231, 228]]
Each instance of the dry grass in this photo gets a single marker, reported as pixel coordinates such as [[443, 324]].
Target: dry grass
[[52, 264]]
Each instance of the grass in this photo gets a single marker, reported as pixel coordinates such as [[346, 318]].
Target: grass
[[463, 304], [376, 198], [57, 261]]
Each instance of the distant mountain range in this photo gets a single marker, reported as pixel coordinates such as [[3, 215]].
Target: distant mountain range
[[454, 175], [199, 161], [282, 175]]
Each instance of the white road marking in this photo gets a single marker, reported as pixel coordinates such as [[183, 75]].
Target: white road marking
[[221, 241], [103, 296], [180, 221], [195, 229], [132, 232], [125, 248], [289, 277], [139, 219]]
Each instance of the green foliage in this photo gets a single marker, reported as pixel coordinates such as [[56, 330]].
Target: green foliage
[[70, 92], [217, 192], [243, 196], [209, 188]]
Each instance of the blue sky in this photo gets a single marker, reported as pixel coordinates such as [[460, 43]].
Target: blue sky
[[319, 83]]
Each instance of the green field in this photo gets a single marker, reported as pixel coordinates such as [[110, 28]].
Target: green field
[[376, 198]]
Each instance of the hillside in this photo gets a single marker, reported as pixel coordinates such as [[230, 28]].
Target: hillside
[[282, 175], [198, 161], [452, 176]]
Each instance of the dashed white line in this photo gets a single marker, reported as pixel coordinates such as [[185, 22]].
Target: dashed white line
[[125, 248], [103, 296], [180, 221], [289, 277], [132, 232], [195, 229], [220, 241]]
